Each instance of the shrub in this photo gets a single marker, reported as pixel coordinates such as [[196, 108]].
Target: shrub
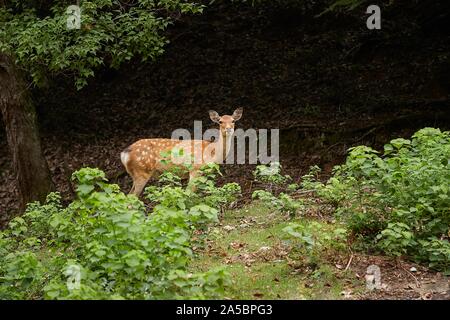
[[311, 239], [270, 174], [104, 246], [173, 195], [283, 202], [398, 201], [272, 178]]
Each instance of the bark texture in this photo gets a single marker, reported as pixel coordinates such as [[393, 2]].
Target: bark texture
[[19, 115]]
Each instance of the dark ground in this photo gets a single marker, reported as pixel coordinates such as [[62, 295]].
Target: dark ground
[[328, 83]]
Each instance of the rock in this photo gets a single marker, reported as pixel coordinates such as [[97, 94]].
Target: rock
[[427, 296], [228, 228], [264, 249], [347, 294]]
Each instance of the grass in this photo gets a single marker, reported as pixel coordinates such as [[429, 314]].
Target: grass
[[251, 244]]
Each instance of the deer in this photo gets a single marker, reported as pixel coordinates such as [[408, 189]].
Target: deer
[[143, 159]]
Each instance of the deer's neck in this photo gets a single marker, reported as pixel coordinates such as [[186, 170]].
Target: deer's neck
[[223, 146]]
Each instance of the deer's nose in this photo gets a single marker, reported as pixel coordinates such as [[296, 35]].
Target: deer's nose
[[229, 130]]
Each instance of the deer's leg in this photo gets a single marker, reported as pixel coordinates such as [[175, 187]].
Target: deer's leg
[[132, 189], [140, 185], [140, 179], [134, 178]]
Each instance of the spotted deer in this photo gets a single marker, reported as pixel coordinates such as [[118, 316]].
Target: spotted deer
[[143, 160]]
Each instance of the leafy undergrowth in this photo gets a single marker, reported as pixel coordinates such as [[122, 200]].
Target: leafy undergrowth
[[107, 245], [293, 241], [251, 245], [264, 262], [397, 202]]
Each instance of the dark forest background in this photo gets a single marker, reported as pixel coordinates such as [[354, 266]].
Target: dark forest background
[[327, 82]]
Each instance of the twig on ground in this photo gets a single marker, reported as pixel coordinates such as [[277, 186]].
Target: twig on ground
[[349, 262], [409, 272]]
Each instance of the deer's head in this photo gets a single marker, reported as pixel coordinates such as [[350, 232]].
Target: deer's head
[[226, 122]]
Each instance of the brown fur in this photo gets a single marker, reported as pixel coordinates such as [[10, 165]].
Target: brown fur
[[142, 159]]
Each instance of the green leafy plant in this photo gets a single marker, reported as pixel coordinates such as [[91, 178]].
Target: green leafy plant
[[284, 202], [398, 201], [206, 191], [270, 174], [312, 239], [274, 181], [109, 34], [119, 250]]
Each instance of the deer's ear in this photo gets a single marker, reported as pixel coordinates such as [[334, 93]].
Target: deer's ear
[[237, 114], [214, 116]]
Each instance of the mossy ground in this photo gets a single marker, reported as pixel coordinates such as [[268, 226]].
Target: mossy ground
[[251, 244]]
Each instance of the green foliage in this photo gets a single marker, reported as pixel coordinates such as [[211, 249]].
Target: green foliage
[[270, 174], [289, 205], [272, 179], [107, 240], [396, 239], [111, 33], [206, 193], [399, 201], [311, 239], [266, 197], [316, 234]]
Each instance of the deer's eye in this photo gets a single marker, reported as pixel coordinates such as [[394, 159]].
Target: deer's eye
[[220, 121]]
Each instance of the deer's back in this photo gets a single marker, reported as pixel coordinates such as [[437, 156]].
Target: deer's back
[[147, 154]]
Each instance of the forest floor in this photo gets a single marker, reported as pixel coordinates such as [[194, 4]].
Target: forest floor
[[326, 83], [249, 243]]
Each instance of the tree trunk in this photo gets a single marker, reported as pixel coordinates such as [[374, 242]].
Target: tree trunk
[[19, 115]]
